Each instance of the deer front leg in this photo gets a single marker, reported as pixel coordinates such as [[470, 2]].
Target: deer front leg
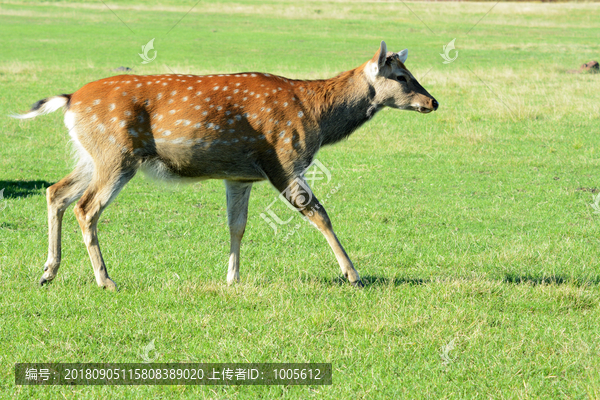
[[300, 196], [238, 194], [315, 212]]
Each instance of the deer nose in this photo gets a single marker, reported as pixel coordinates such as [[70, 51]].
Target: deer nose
[[435, 104]]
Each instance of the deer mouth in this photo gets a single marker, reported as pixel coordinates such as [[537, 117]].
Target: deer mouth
[[419, 108]]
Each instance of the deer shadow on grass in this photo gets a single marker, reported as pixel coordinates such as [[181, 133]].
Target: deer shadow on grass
[[372, 281], [16, 189], [533, 280], [511, 278]]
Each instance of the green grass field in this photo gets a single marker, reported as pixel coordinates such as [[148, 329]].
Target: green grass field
[[473, 227]]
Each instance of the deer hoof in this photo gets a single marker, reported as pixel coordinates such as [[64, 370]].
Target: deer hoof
[[109, 284], [46, 277], [357, 284]]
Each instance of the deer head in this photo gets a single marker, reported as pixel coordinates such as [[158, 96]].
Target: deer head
[[394, 85]]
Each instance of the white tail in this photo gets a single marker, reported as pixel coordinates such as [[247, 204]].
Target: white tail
[[242, 128], [46, 106]]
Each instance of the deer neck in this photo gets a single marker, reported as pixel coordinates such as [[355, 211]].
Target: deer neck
[[340, 104]]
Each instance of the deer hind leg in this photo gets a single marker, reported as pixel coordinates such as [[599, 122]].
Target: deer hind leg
[[238, 194], [300, 196], [105, 186], [59, 196]]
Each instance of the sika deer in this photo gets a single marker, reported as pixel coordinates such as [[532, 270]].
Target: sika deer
[[242, 128]]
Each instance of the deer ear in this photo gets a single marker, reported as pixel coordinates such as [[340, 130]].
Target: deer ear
[[403, 55], [382, 55], [378, 60]]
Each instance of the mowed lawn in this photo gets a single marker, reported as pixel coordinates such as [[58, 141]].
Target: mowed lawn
[[476, 229]]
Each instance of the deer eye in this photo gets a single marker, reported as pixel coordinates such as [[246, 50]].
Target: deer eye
[[401, 78]]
